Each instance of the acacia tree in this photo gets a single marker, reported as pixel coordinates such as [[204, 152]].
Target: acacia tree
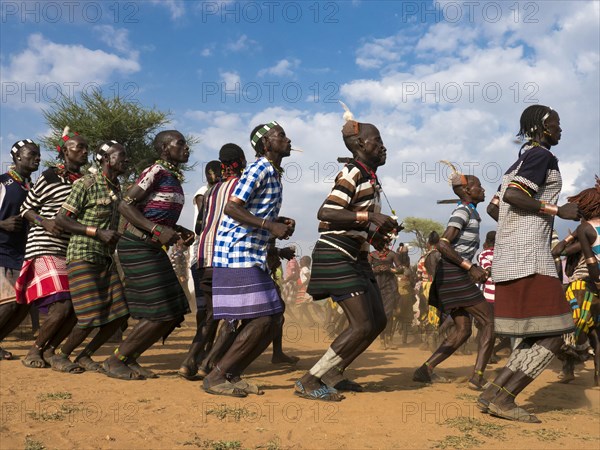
[[99, 118], [421, 229]]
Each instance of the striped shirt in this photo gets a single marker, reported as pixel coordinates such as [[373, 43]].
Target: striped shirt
[[354, 190], [523, 237], [215, 200], [165, 198], [466, 219], [45, 199], [238, 245], [485, 259]]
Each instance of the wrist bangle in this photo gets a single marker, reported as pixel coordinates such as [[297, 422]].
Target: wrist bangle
[[466, 264], [445, 240], [91, 231], [495, 201], [152, 230], [591, 260], [569, 238], [156, 232], [262, 224], [549, 209], [362, 216]]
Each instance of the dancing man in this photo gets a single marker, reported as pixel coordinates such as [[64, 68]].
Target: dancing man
[[350, 220], [454, 290], [43, 278], [14, 186], [529, 302], [242, 287], [154, 295], [90, 214]]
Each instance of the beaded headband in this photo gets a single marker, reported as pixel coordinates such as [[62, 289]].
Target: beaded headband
[[261, 132], [66, 135], [20, 144]]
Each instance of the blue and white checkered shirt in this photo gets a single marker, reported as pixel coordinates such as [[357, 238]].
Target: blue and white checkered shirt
[[238, 245]]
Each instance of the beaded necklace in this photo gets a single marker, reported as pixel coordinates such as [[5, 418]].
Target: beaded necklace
[[279, 170], [64, 172], [24, 182], [113, 189], [172, 168]]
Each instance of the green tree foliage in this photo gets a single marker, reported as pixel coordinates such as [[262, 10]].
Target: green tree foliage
[[98, 118], [421, 229]]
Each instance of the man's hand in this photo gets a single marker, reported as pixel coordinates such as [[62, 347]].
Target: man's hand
[[383, 222], [109, 237], [12, 224], [478, 274], [569, 211], [52, 227], [287, 252], [187, 236], [168, 236]]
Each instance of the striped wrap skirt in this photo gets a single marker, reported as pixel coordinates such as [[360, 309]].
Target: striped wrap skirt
[[152, 289], [532, 306], [339, 268], [96, 293], [453, 287], [244, 293]]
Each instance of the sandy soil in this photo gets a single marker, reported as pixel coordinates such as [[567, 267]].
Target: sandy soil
[[46, 409]]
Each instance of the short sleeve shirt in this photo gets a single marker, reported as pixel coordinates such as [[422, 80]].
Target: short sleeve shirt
[[92, 203], [238, 245], [354, 190], [523, 238], [466, 219], [12, 244], [165, 198]]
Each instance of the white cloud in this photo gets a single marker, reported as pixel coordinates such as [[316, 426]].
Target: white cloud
[[232, 81], [46, 67], [241, 44], [283, 68], [175, 7], [117, 38]]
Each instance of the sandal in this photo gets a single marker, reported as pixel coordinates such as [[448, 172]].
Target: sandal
[[517, 414], [62, 363], [121, 372], [422, 375], [89, 364], [34, 362], [189, 373], [248, 388], [226, 388], [324, 393], [6, 355], [141, 371], [285, 359], [483, 405]]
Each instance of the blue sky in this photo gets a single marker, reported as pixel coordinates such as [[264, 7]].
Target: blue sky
[[441, 80]]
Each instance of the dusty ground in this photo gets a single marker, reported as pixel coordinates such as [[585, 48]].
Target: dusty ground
[[45, 409]]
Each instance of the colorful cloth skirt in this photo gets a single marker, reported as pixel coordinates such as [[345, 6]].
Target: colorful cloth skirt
[[585, 307], [532, 306], [96, 293], [43, 280], [152, 289], [244, 293], [453, 288], [339, 268]]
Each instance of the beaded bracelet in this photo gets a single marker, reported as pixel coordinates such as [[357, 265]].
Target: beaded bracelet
[[156, 232], [38, 219]]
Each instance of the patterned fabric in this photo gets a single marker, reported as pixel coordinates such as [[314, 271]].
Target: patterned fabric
[[531, 306], [194, 249], [12, 244], [151, 287], [354, 190], [485, 259], [91, 202], [583, 314], [237, 245], [45, 199], [523, 238], [244, 293], [8, 278], [339, 268], [165, 200], [42, 277], [453, 288], [96, 293], [214, 205], [466, 219]]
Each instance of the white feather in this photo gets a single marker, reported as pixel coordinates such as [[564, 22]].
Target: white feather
[[66, 130], [347, 113]]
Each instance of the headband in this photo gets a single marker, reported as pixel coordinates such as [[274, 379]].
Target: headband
[[261, 132], [19, 145], [66, 135], [103, 149]]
